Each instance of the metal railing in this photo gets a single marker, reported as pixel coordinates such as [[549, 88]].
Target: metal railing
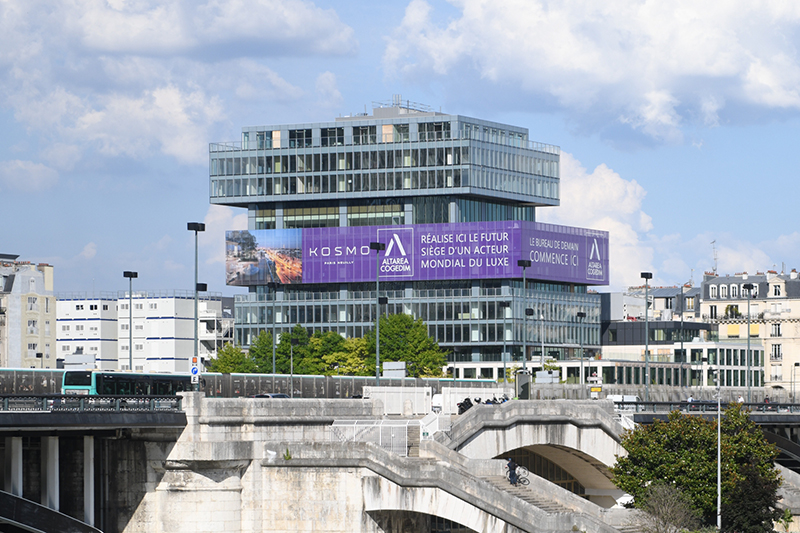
[[391, 435], [702, 406], [80, 403]]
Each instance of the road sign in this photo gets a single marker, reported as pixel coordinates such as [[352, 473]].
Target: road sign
[[195, 371], [195, 378]]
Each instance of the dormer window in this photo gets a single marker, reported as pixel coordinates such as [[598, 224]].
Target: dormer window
[[712, 291], [723, 291], [776, 290], [734, 291]]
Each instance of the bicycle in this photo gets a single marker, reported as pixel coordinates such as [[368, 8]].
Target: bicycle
[[522, 475]]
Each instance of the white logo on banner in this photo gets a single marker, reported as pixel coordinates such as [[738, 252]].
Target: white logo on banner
[[594, 267], [395, 239], [397, 261]]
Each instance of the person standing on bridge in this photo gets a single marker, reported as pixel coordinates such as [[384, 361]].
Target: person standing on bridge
[[512, 471]]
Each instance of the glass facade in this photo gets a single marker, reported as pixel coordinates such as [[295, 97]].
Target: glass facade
[[399, 167]]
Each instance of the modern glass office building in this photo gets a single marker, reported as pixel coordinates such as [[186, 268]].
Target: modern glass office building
[[452, 200]]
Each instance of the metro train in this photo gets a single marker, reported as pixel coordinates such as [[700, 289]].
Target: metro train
[[46, 381]]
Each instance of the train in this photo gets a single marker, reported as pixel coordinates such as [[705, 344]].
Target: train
[[14, 381]]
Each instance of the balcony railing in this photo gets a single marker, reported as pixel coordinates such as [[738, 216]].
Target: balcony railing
[[358, 140]]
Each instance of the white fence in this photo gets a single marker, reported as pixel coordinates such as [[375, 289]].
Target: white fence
[[391, 435]]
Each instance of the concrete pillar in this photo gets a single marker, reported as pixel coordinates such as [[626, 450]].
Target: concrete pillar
[[12, 482], [50, 472], [88, 479]]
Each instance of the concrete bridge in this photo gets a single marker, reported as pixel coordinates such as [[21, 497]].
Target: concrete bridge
[[276, 465], [236, 465]]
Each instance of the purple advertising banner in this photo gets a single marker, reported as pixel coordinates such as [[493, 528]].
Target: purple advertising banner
[[469, 250]]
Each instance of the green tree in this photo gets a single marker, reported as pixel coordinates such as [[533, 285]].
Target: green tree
[[231, 359], [406, 339], [261, 352], [322, 345], [350, 360], [682, 451], [284, 351]]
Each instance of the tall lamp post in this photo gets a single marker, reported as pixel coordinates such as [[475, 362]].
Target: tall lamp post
[[273, 287], [503, 308], [294, 342], [749, 288], [793, 369], [525, 263], [719, 446], [130, 275], [681, 381], [646, 276], [581, 315], [378, 246], [196, 227], [541, 334]]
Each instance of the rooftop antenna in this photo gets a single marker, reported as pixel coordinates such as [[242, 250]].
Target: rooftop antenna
[[713, 247], [691, 279]]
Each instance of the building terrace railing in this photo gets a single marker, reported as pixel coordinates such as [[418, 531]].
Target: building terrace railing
[[369, 140], [702, 406], [367, 295]]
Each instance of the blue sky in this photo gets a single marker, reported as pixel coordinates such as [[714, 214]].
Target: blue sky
[[678, 121]]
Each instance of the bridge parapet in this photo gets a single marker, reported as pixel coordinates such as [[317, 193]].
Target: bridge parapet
[[506, 418], [258, 419]]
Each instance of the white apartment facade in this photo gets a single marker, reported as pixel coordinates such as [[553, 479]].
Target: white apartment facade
[[98, 331], [27, 314]]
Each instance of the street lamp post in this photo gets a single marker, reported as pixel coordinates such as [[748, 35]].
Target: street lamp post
[[274, 288], [378, 246], [524, 263], [682, 381], [581, 315], [646, 276], [749, 288], [294, 342], [503, 308], [196, 227], [130, 275], [541, 334], [719, 447], [793, 369]]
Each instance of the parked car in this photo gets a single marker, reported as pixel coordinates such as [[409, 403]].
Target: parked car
[[271, 395]]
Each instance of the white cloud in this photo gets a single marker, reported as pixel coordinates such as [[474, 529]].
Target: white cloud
[[89, 251], [167, 118], [130, 78], [26, 176], [328, 91], [218, 220], [650, 65], [603, 200], [266, 27]]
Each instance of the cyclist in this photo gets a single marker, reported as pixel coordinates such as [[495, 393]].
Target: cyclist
[[512, 471]]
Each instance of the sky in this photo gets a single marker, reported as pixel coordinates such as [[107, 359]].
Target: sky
[[678, 121]]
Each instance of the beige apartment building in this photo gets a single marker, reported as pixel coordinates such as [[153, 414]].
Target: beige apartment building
[[774, 318], [27, 314]]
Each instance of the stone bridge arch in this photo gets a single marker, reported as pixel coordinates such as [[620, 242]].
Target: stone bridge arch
[[581, 438]]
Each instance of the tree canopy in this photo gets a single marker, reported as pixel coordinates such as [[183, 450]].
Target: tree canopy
[[328, 353], [231, 359], [406, 339], [683, 451]]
